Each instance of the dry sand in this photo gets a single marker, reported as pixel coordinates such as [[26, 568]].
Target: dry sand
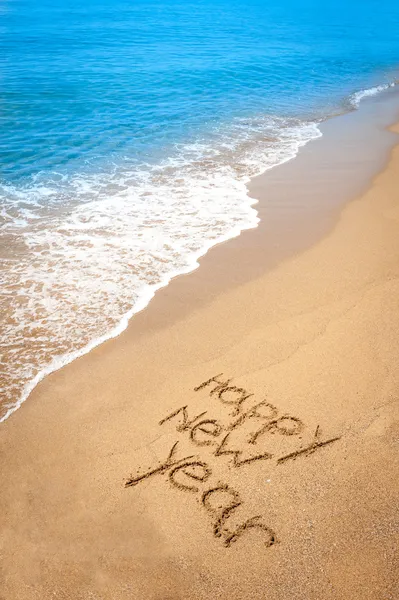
[[316, 341]]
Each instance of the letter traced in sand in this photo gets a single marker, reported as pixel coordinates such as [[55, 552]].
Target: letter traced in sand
[[232, 390], [185, 470], [223, 511], [285, 425], [169, 463], [186, 424], [252, 523], [210, 427], [220, 384], [316, 443], [221, 449], [222, 508], [253, 413], [235, 395]]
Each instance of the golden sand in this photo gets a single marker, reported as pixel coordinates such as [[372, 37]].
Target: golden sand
[[129, 475]]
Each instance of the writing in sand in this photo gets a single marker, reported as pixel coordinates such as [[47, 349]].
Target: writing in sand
[[192, 473]]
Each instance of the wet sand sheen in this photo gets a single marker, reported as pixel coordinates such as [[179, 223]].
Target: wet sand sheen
[[304, 353]]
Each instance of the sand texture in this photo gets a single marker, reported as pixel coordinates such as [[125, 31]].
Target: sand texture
[[247, 449]]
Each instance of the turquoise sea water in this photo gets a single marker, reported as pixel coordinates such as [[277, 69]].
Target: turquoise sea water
[[128, 133]]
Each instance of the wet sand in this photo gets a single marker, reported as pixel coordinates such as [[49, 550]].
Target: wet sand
[[284, 480]]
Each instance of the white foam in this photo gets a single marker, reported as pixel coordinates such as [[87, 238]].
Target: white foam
[[98, 246], [357, 97]]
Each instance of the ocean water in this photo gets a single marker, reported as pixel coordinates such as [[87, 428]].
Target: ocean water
[[128, 133]]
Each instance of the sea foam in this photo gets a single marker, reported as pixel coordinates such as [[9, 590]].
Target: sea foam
[[93, 248], [357, 97], [87, 251]]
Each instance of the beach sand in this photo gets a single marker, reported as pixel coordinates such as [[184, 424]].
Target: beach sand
[[286, 488]]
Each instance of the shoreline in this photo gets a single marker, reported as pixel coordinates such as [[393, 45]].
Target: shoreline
[[317, 491], [265, 220]]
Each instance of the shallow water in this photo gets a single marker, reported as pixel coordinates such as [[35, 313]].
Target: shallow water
[[129, 132]]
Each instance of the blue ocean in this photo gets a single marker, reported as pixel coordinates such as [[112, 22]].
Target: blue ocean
[[129, 131]]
